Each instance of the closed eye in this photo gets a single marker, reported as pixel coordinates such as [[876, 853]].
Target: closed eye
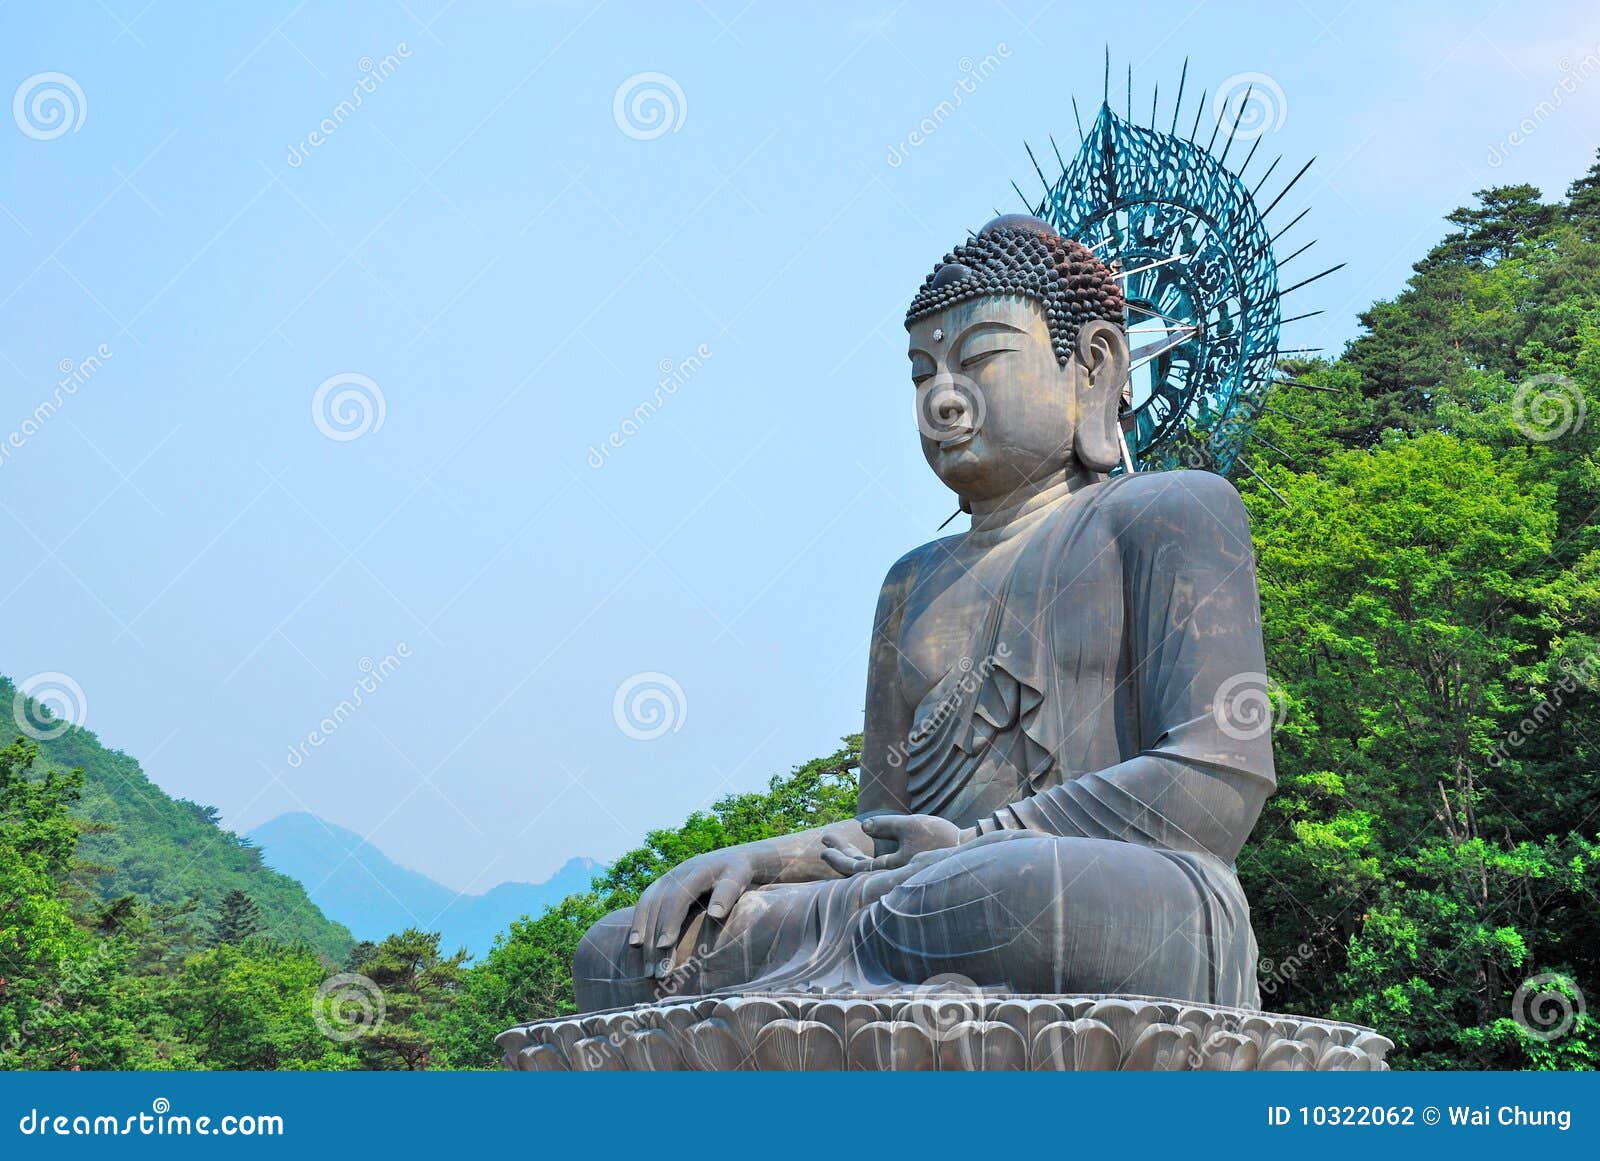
[[978, 357]]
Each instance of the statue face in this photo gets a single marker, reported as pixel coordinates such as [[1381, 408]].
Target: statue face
[[995, 409]]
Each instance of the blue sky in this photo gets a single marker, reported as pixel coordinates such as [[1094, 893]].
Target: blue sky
[[491, 245]]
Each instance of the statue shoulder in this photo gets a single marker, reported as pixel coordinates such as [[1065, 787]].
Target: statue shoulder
[[1191, 505], [903, 573]]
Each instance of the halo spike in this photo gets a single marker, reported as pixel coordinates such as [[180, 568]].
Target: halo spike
[[1290, 226], [1267, 443], [1227, 145], [1183, 76], [1298, 317], [1309, 281], [1254, 145], [1266, 175], [1282, 262], [1043, 180], [1241, 462], [1077, 119], [1216, 128], [1288, 187], [1201, 108]]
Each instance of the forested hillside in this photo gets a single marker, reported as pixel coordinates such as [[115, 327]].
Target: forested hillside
[[170, 851], [1424, 509]]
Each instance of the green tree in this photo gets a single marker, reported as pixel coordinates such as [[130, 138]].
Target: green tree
[[419, 986], [238, 918]]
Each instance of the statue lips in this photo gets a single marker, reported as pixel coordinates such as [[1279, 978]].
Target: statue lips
[[960, 439]]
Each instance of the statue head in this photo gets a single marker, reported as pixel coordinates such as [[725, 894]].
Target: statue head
[[1019, 355]]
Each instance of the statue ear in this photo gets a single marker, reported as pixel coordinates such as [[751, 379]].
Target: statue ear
[[1102, 354]]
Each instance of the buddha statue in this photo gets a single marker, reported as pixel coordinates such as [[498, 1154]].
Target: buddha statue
[[1052, 791]]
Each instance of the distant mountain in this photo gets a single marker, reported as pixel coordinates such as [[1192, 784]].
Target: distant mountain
[[355, 882], [169, 850]]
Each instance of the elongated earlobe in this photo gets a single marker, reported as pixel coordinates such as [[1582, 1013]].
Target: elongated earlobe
[[1102, 355]]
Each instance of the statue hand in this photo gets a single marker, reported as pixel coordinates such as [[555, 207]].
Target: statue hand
[[659, 915], [908, 835]]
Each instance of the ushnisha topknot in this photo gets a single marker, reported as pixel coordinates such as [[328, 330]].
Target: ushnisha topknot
[[1019, 254]]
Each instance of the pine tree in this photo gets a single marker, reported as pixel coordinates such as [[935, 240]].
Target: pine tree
[[419, 986], [237, 919], [1583, 202], [1507, 215]]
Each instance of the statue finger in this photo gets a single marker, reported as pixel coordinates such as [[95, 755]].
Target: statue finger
[[675, 909], [643, 914], [846, 865], [886, 826], [726, 893], [892, 861], [647, 912], [842, 845]]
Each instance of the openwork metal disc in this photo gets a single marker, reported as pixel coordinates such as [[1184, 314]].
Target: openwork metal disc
[[1201, 285]]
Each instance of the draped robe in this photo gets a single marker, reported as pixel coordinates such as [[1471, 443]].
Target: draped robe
[[1105, 734]]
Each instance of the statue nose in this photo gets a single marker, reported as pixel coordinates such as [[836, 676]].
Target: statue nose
[[951, 406]]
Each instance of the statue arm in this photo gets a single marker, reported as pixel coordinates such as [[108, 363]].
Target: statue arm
[[1193, 684], [888, 717]]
